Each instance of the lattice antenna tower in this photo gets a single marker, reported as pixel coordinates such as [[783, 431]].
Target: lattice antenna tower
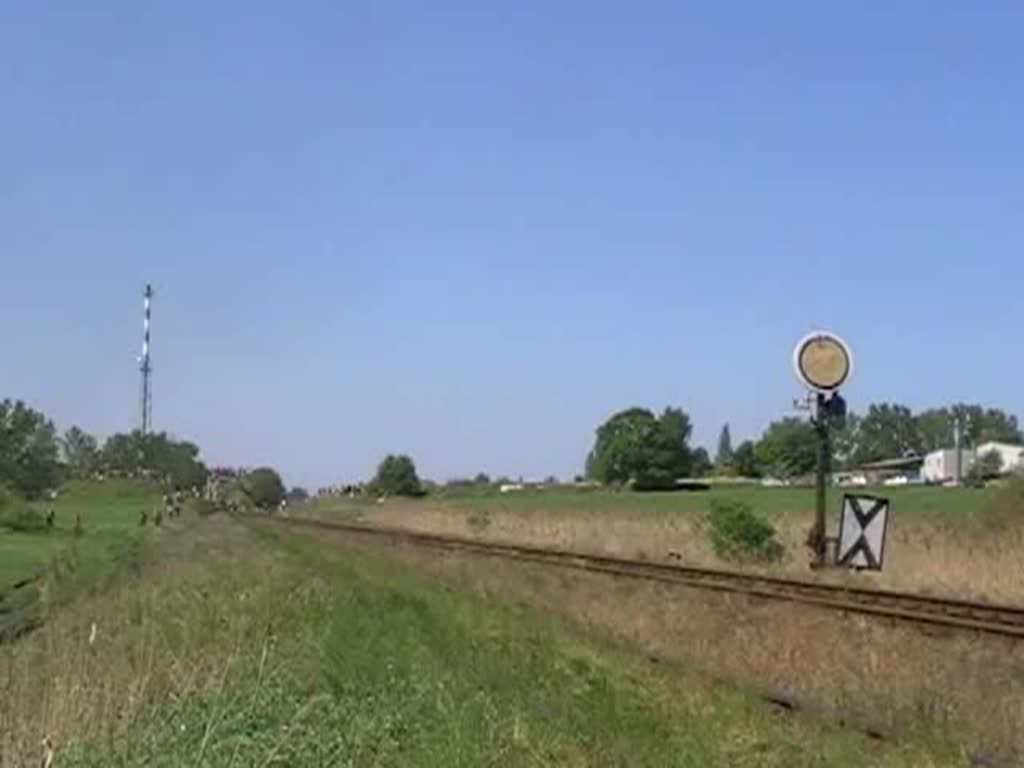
[[145, 366]]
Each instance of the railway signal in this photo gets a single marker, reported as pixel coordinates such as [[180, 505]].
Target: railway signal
[[823, 362]]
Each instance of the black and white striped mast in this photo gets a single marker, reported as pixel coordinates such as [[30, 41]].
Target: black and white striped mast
[[144, 364]]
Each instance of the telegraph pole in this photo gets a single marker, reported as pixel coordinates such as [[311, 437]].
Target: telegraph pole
[[144, 363], [961, 424], [957, 445]]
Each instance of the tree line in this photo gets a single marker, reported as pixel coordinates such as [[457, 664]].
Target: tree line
[[35, 458], [634, 446], [650, 451]]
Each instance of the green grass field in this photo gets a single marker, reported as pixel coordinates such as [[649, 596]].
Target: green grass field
[[241, 645], [110, 525], [110, 530]]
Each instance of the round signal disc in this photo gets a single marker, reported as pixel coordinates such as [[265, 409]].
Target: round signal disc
[[822, 361]]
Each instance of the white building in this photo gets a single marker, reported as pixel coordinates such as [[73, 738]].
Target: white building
[[1012, 455], [940, 466]]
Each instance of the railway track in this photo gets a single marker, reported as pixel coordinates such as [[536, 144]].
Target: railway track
[[1004, 620]]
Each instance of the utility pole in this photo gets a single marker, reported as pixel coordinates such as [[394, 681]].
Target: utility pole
[[960, 423], [959, 451], [144, 363]]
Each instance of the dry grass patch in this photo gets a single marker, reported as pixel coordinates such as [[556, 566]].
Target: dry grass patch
[[979, 554]]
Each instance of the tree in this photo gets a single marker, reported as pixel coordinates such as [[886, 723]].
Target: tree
[[122, 452], [787, 449], [995, 425], [723, 458], [622, 446], [935, 429], [482, 478], [176, 462], [745, 461], [844, 441], [297, 494], [988, 465], [634, 446], [179, 463], [982, 425], [700, 462], [887, 431], [263, 487], [672, 454], [396, 476], [81, 452], [28, 449], [936, 426]]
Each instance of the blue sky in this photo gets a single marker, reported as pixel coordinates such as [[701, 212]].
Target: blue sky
[[470, 231]]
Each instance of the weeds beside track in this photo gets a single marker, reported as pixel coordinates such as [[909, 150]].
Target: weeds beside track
[[1004, 620]]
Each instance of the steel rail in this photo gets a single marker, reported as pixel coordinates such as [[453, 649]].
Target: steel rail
[[956, 613]]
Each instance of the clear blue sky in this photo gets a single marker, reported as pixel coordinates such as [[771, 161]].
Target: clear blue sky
[[470, 231]]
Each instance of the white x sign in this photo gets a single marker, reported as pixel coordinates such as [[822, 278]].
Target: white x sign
[[862, 531]]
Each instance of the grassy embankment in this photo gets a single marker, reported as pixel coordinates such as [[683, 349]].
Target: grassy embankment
[[241, 645], [960, 541]]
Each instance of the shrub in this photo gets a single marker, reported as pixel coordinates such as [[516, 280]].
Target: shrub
[[264, 487], [23, 520], [737, 533]]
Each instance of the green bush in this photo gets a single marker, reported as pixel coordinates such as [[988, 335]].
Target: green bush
[[738, 533], [264, 487], [23, 520]]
